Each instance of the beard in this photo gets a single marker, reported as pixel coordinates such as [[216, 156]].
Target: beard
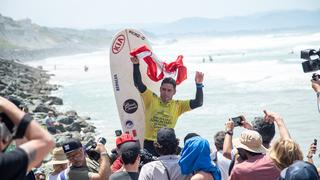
[[78, 162]]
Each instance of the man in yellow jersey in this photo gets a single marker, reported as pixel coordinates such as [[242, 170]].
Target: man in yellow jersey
[[163, 111]]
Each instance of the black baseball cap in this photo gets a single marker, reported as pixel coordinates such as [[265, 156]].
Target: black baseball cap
[[300, 170], [71, 145], [166, 136]]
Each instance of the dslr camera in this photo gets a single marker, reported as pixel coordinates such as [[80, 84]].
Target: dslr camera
[[145, 157], [312, 58], [90, 148]]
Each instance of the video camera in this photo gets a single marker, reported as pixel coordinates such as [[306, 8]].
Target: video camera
[[90, 148], [313, 60]]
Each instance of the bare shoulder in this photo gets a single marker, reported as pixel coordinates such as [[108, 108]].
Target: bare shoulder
[[201, 175]]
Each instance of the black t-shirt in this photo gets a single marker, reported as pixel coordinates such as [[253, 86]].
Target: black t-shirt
[[13, 165], [124, 175], [30, 176]]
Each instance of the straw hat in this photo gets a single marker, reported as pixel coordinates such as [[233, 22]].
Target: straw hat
[[58, 157], [251, 141]]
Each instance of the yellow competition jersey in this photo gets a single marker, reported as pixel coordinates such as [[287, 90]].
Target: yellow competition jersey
[[158, 114]]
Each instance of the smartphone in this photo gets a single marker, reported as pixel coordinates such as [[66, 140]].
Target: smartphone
[[118, 132], [237, 121], [315, 141]]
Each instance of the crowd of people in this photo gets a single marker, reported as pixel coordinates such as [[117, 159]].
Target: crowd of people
[[255, 154]]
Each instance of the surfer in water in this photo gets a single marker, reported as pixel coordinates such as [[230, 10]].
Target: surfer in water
[[163, 111]]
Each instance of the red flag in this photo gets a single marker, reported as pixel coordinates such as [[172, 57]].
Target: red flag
[[153, 63]]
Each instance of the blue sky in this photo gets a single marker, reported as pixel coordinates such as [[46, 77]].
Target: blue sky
[[98, 13]]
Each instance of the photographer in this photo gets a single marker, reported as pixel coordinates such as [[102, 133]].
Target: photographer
[[14, 123], [166, 165], [312, 64], [79, 169]]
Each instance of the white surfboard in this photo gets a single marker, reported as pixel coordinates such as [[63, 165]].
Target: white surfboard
[[129, 102]]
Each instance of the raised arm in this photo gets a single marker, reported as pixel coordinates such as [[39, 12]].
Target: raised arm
[[137, 75], [227, 144], [315, 84], [104, 161], [272, 117], [198, 101], [39, 142]]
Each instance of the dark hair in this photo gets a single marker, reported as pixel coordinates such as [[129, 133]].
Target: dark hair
[[189, 135], [244, 156], [219, 139], [129, 157], [265, 129], [169, 80], [166, 148], [129, 152]]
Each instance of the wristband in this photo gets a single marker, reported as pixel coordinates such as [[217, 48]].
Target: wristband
[[23, 125], [230, 132], [199, 85]]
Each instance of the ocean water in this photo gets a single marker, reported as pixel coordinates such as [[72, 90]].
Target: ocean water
[[247, 75]]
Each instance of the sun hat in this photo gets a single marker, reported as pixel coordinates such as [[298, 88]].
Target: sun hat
[[58, 157], [251, 141]]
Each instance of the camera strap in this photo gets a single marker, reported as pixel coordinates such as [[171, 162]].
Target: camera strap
[[23, 125], [166, 169]]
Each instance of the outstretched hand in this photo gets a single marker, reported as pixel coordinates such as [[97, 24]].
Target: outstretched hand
[[199, 77], [272, 117], [229, 125], [312, 150], [134, 60]]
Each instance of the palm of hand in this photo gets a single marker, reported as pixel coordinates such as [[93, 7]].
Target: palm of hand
[[199, 77]]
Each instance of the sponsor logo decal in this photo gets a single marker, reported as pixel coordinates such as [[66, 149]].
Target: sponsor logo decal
[[137, 34], [129, 124], [118, 44], [116, 82], [130, 106]]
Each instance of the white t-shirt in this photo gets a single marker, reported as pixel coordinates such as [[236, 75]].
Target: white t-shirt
[[155, 170], [223, 164], [53, 177]]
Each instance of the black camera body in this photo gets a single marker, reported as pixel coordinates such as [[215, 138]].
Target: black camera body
[[145, 157], [90, 148], [313, 60]]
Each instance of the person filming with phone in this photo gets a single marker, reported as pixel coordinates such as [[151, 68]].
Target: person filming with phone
[[249, 152]]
